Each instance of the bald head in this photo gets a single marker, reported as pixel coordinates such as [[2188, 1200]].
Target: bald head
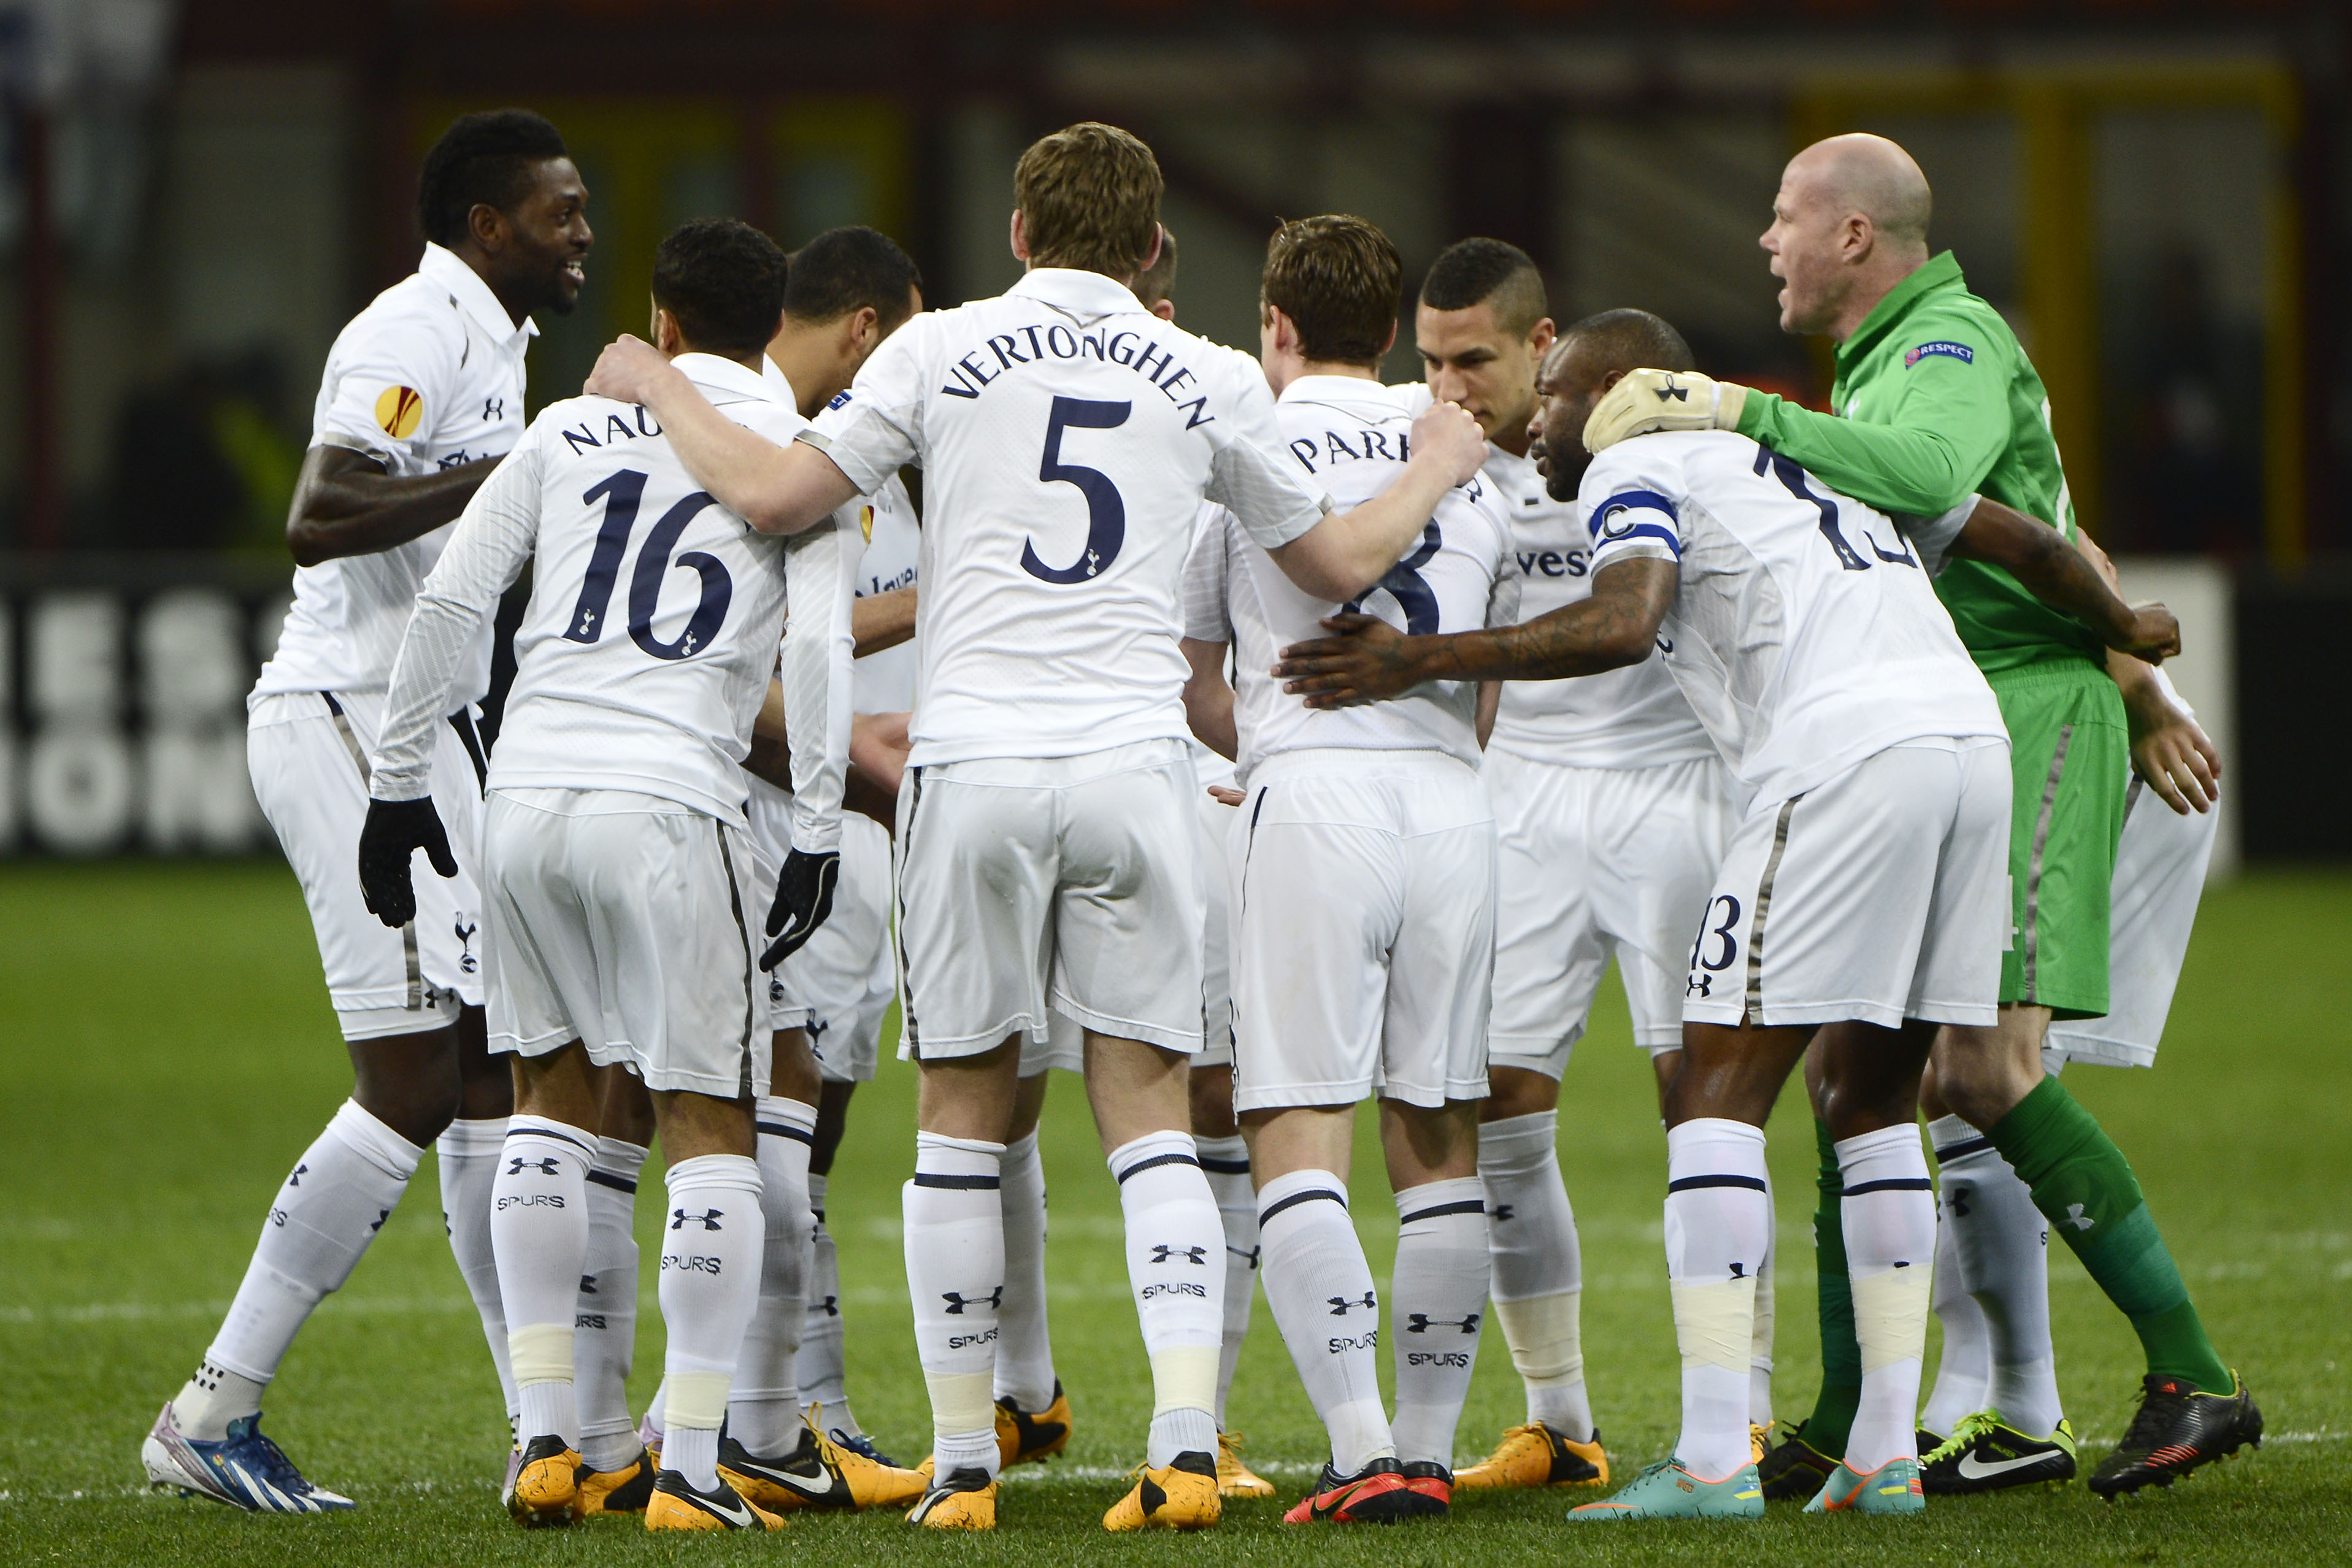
[[1849, 223], [1862, 173]]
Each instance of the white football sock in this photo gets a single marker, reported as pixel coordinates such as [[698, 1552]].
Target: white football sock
[[1889, 1215], [1024, 1349], [710, 1263], [822, 1369], [955, 1273], [538, 1226], [1539, 1267], [341, 1192], [1176, 1267], [1437, 1299], [2003, 1242], [606, 1326], [1964, 1366], [1320, 1290], [1718, 1225], [763, 1403], [469, 1152], [1225, 1162], [1759, 1341]]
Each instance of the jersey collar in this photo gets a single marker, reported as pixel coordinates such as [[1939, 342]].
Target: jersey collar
[[442, 268], [733, 382], [1351, 392], [1086, 296], [1940, 275]]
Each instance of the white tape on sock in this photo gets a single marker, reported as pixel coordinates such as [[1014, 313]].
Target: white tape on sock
[[541, 1353], [1890, 1315], [1715, 1323]]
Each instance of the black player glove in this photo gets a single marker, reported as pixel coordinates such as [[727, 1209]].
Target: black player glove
[[803, 898], [396, 829]]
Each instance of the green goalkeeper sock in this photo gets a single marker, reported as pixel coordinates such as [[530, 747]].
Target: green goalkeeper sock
[[1832, 1422], [2086, 1189]]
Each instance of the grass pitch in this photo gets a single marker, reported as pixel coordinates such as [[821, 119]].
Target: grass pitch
[[169, 1051]]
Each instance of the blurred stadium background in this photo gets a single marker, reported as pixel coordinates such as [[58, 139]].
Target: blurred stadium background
[[196, 193]]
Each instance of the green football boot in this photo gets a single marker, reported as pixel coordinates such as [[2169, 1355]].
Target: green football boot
[[1893, 1487], [1666, 1490]]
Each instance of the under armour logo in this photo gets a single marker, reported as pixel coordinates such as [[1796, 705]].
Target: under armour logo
[[381, 1215], [957, 1302], [493, 408], [1681, 394], [546, 1167], [1341, 1305], [296, 1179], [1701, 984], [1739, 1270], [1956, 1199], [1420, 1324], [832, 1306], [1502, 1212], [588, 1284], [708, 1219], [1196, 1256], [2077, 1219]]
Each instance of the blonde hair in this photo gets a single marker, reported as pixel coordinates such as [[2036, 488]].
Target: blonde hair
[[1089, 198]]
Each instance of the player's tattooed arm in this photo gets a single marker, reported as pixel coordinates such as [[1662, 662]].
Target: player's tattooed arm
[[346, 504], [776, 489], [2066, 578], [1368, 659]]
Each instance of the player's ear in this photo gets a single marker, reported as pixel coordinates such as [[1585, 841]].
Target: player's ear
[[488, 226], [1390, 341], [1164, 308], [1540, 338], [1020, 240]]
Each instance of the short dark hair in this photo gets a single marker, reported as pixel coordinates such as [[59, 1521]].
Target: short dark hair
[[849, 269], [724, 281], [481, 159], [1158, 281], [1473, 271], [1339, 280], [1629, 340]]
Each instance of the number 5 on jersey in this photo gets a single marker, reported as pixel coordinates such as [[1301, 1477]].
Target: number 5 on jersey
[[1105, 511], [621, 494]]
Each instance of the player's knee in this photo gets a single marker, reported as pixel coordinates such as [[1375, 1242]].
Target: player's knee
[[1211, 1095], [1517, 1091]]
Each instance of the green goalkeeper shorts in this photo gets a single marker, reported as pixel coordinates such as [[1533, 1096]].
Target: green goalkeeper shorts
[[2070, 760]]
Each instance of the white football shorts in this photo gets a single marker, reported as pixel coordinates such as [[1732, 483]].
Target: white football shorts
[[1065, 1044], [1879, 896], [1029, 886], [2159, 878], [625, 921], [838, 985], [306, 753], [1363, 922], [1590, 862]]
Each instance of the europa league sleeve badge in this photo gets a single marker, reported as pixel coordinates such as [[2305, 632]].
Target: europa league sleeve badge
[[399, 410]]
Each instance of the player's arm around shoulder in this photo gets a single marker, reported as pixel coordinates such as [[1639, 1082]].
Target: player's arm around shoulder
[[776, 488], [1347, 551]]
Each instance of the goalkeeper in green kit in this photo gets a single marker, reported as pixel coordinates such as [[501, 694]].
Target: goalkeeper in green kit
[[1935, 403]]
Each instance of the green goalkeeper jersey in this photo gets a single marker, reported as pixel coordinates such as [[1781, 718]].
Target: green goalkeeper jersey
[[1938, 402]]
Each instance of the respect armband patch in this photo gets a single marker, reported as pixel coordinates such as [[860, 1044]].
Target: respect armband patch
[[1961, 351]]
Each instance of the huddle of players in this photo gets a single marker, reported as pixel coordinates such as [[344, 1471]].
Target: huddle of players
[[1044, 831]]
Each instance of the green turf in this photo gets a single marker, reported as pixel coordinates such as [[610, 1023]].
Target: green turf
[[169, 1051]]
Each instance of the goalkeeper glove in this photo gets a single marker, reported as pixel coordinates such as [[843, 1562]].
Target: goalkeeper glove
[[1647, 400], [804, 899], [394, 830]]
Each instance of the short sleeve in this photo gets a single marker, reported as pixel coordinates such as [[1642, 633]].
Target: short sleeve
[[1207, 617], [1253, 474], [875, 428], [1630, 505], [394, 379], [1932, 537]]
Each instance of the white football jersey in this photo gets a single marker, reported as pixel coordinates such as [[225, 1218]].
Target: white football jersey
[[1803, 631], [1350, 436], [1629, 718], [428, 376], [654, 619], [884, 682], [1067, 437]]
